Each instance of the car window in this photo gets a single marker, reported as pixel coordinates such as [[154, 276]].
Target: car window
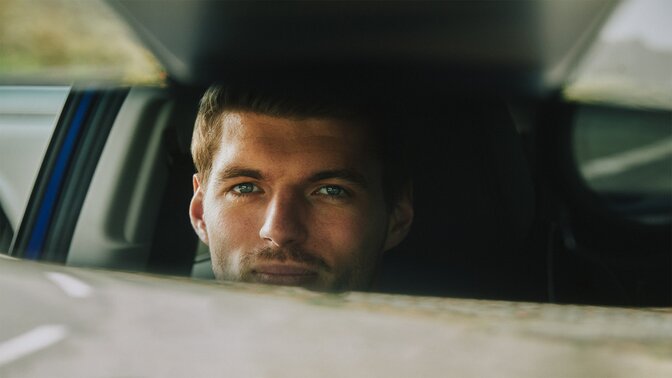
[[625, 156], [70, 42], [27, 119], [630, 63], [622, 130], [48, 47]]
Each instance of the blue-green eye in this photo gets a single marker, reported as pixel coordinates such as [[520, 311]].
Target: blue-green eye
[[332, 191], [245, 188]]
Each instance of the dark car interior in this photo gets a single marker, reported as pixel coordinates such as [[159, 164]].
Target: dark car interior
[[501, 210]]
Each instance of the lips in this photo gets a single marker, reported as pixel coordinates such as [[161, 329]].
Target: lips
[[284, 274]]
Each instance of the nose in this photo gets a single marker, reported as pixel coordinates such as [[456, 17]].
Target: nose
[[284, 220]]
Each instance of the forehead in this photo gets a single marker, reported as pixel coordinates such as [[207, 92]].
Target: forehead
[[287, 137]]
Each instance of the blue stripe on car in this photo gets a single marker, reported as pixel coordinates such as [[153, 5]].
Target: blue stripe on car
[[39, 233]]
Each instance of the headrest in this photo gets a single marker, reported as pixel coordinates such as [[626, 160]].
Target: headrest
[[473, 194]]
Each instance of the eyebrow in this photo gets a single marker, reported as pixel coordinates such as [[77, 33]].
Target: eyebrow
[[233, 172], [343, 174]]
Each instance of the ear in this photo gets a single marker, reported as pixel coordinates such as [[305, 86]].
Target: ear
[[196, 211], [401, 218]]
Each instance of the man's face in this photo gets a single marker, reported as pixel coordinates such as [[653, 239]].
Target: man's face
[[295, 202]]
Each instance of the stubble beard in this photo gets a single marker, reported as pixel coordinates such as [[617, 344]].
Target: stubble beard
[[238, 267]]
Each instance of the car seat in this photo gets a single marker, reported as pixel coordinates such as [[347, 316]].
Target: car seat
[[474, 208]]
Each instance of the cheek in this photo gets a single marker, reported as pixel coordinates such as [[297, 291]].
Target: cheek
[[230, 232], [349, 236], [229, 228]]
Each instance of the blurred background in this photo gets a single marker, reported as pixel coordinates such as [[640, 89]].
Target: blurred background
[[66, 41]]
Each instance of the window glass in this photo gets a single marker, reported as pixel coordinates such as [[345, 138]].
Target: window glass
[[623, 126], [626, 156], [60, 44], [70, 42], [631, 62], [27, 119]]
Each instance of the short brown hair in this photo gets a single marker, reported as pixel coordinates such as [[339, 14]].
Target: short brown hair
[[219, 99]]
